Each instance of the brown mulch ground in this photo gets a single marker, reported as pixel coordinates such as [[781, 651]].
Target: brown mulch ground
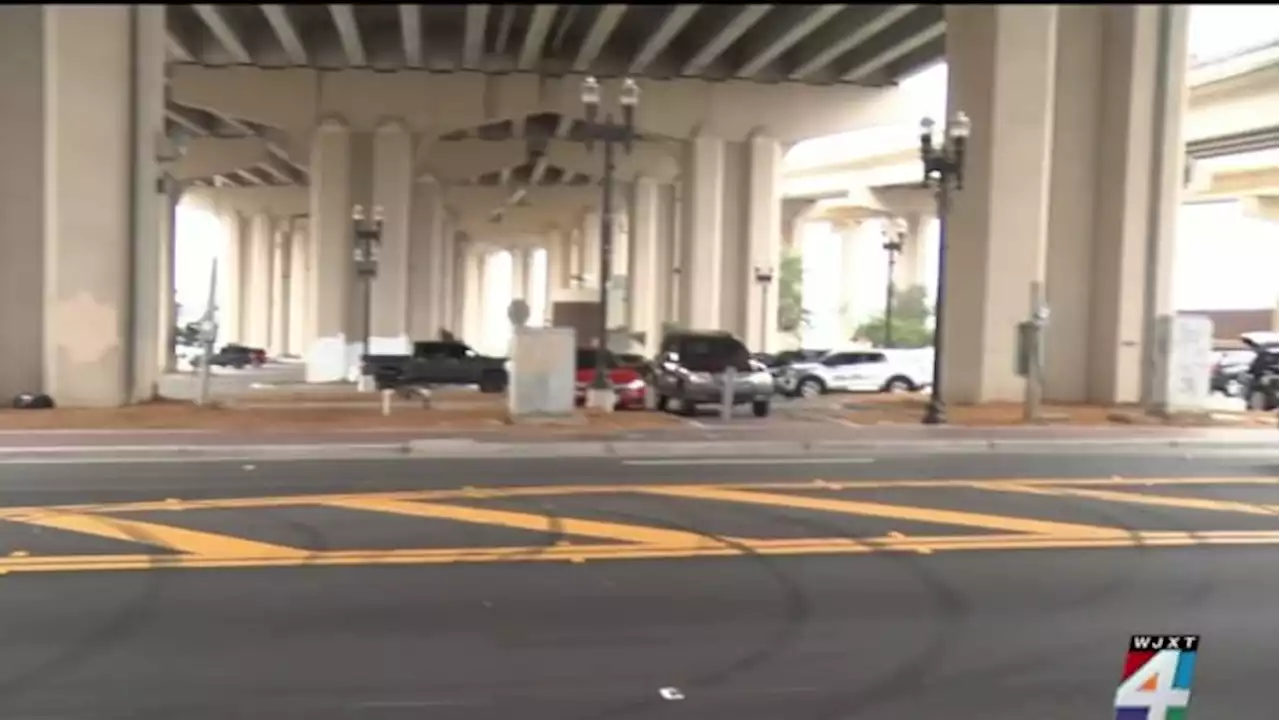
[[165, 415], [892, 409]]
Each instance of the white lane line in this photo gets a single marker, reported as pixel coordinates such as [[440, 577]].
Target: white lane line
[[754, 461]]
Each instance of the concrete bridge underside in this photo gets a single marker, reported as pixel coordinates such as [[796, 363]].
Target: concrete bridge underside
[[463, 124]]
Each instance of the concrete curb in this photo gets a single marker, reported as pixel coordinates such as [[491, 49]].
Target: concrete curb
[[470, 449]]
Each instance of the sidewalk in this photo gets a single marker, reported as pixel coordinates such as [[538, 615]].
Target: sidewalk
[[602, 438]]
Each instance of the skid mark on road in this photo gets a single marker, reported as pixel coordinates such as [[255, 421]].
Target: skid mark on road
[[181, 540], [818, 546], [217, 546], [898, 512], [527, 521]]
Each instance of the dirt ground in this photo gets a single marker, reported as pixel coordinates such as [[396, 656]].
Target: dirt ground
[[893, 409], [186, 416]]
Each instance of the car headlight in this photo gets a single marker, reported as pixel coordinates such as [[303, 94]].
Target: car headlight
[[637, 384], [700, 377]]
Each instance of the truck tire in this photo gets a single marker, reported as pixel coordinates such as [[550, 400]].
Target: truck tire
[[493, 381]]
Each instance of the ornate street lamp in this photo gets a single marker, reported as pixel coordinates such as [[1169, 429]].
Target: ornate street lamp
[[944, 172], [609, 132], [895, 238]]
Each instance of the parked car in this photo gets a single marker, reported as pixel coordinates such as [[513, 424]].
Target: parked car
[[627, 380], [439, 362], [874, 370], [1260, 381], [778, 363], [1231, 371], [234, 356], [691, 369]]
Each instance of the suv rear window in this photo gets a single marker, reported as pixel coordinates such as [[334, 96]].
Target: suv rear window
[[713, 353]]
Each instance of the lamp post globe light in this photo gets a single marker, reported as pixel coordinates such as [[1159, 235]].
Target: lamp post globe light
[[944, 173], [895, 238], [367, 237], [610, 133]]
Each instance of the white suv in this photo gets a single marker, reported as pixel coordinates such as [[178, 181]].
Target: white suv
[[872, 370]]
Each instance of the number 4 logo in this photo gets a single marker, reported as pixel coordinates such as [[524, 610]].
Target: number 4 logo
[[1156, 687]]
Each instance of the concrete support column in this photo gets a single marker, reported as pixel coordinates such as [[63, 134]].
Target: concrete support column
[[281, 280], [590, 253], [393, 191], [702, 236], [522, 274], [573, 244], [558, 270], [81, 251], [910, 269], [1002, 61], [300, 269], [763, 236], [619, 298], [232, 278], [644, 285], [22, 199], [458, 319], [429, 267], [672, 244], [473, 298], [849, 234], [445, 294], [168, 320], [260, 271], [329, 291], [1117, 184]]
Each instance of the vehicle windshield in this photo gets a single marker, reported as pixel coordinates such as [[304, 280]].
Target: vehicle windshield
[[714, 354]]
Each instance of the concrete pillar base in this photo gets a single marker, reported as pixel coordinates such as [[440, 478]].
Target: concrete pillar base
[[602, 400]]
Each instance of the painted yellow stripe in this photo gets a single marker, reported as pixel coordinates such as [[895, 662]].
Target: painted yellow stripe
[[817, 546], [896, 512], [528, 521], [552, 490], [193, 542], [1147, 499]]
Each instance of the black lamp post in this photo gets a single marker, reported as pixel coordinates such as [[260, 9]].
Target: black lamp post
[[764, 276], [609, 132], [895, 237], [944, 172], [368, 236]]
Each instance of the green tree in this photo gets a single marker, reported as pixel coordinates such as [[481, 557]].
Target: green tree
[[792, 317], [912, 321]]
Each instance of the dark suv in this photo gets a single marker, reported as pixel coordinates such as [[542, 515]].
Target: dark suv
[[691, 369]]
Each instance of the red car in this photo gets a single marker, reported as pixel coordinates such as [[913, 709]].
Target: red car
[[627, 382]]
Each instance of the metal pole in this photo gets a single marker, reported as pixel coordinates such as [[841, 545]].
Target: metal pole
[[764, 315], [208, 327], [1034, 389], [936, 413], [606, 251], [888, 300], [368, 313]]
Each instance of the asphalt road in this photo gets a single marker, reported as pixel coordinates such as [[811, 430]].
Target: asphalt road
[[986, 633]]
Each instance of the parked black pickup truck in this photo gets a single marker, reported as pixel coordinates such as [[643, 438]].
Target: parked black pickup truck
[[438, 363]]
